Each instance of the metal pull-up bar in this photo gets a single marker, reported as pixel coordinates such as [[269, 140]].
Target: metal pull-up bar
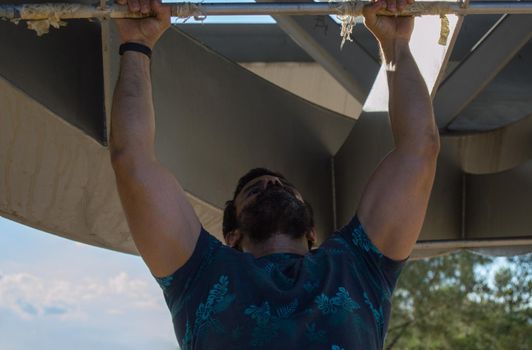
[[33, 12]]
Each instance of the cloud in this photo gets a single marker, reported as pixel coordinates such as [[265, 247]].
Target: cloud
[[30, 296], [55, 310], [25, 307]]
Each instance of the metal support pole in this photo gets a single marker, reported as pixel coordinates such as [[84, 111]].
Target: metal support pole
[[58, 11], [474, 243]]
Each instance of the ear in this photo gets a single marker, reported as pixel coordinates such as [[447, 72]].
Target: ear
[[233, 239], [312, 236]]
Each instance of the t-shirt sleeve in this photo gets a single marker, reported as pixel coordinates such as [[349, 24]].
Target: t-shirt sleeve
[[368, 260], [184, 278]]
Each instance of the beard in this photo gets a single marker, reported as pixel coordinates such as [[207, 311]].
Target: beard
[[275, 211]]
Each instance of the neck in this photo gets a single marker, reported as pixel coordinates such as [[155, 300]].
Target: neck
[[278, 243]]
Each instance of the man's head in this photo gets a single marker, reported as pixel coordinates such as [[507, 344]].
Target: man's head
[[265, 204]]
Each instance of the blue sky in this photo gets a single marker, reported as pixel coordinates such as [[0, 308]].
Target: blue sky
[[225, 19], [59, 294]]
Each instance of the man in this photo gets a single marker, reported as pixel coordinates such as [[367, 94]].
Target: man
[[266, 289]]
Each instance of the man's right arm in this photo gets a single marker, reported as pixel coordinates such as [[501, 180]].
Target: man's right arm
[[161, 220], [394, 203]]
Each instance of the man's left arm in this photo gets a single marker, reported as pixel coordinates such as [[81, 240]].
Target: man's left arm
[[395, 200]]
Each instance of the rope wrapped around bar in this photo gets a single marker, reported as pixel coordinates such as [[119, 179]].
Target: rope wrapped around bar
[[52, 14], [187, 10], [347, 13], [40, 17], [349, 10], [436, 8]]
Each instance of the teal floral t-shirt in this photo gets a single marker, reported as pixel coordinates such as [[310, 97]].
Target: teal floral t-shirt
[[335, 297]]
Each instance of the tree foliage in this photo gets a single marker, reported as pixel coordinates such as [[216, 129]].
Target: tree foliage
[[463, 301]]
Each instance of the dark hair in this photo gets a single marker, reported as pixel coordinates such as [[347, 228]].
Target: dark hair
[[230, 220]]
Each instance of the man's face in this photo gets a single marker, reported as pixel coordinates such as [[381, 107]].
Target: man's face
[[252, 189], [269, 205]]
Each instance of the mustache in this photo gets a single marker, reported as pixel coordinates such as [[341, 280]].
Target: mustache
[[274, 188], [275, 210]]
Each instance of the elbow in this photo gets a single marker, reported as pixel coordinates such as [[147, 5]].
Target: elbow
[[430, 148], [117, 158], [126, 162], [120, 161], [427, 147], [118, 155], [432, 145], [127, 154]]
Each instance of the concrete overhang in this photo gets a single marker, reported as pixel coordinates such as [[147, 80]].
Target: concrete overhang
[[216, 119]]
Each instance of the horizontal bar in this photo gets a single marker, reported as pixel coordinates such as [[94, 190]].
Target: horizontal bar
[[334, 8], [479, 243], [185, 10]]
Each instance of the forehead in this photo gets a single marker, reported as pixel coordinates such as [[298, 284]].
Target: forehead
[[258, 180], [261, 179]]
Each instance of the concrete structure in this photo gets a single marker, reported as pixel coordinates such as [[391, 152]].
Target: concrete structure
[[230, 97]]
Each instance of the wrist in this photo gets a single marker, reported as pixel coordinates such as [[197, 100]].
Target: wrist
[[393, 49], [135, 47], [144, 42], [136, 56]]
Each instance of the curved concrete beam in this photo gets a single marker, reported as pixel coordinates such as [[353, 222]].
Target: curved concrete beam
[[57, 179], [215, 120], [353, 67], [463, 207], [61, 70], [494, 151], [475, 72], [499, 204]]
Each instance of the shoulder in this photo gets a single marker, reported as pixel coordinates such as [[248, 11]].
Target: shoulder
[[205, 252], [366, 258]]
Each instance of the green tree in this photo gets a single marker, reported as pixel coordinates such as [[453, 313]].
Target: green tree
[[463, 301]]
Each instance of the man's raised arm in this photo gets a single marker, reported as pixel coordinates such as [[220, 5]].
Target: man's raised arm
[[162, 222], [394, 203]]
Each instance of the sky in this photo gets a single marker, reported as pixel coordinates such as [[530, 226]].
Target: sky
[[59, 294], [224, 19]]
